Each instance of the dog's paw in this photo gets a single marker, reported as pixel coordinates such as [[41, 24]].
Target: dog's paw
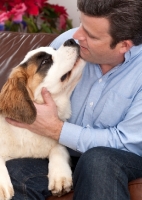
[[6, 189], [60, 184]]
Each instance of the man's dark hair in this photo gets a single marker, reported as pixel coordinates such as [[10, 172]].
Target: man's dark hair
[[125, 17]]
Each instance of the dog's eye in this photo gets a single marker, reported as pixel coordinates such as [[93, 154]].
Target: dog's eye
[[45, 62], [44, 65]]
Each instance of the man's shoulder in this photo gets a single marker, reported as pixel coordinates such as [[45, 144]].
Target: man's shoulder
[[62, 38]]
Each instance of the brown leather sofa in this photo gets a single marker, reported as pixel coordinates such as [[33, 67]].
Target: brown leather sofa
[[13, 46]]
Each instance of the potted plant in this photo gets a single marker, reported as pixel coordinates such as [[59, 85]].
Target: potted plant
[[33, 16]]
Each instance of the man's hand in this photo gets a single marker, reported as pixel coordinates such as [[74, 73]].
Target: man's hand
[[47, 122]]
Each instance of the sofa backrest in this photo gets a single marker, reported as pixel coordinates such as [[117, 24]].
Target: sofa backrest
[[15, 45]]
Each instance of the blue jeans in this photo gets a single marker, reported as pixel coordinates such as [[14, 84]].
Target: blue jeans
[[29, 178], [103, 174], [100, 174]]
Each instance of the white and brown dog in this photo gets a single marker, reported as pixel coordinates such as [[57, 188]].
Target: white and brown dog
[[59, 71]]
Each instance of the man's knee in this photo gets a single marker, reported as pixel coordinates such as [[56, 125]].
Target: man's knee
[[98, 157]]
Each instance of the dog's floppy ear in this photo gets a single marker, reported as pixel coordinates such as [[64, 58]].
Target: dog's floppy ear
[[15, 101]]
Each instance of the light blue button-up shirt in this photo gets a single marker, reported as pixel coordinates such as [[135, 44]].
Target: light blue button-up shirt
[[106, 109]]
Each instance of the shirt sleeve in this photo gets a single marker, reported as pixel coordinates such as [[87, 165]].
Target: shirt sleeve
[[127, 135]]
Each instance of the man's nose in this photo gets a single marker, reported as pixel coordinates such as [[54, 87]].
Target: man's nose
[[79, 34]]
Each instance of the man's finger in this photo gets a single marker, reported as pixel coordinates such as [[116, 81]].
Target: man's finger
[[14, 123], [47, 97]]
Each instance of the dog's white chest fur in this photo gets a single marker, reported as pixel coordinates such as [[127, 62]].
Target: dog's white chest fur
[[20, 143]]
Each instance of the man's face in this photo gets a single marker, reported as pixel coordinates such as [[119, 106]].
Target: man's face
[[94, 39]]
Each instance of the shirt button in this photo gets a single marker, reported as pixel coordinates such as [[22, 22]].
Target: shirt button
[[91, 104], [100, 80]]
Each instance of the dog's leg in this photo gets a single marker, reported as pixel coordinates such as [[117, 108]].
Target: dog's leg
[[6, 188], [60, 174]]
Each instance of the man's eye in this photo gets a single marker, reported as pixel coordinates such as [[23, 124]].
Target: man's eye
[[91, 36]]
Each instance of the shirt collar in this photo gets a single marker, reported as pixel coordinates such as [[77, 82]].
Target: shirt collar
[[134, 51]]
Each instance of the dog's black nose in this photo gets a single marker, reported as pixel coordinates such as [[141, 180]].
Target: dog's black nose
[[70, 42]]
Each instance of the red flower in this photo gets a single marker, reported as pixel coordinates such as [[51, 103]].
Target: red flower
[[53, 18], [7, 5], [17, 12], [60, 10], [33, 6], [40, 3], [2, 5], [3, 17], [62, 22]]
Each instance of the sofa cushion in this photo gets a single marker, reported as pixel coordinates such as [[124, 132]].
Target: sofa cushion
[[135, 188]]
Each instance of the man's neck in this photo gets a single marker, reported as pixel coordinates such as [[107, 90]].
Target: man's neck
[[106, 68]]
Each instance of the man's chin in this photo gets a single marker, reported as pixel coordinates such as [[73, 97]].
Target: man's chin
[[84, 57], [83, 54]]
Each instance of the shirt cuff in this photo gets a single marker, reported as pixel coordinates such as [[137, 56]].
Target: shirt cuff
[[70, 135]]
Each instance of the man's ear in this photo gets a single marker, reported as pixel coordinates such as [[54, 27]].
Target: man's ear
[[126, 46]]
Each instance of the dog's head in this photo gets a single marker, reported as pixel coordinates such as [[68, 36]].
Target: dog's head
[[57, 70]]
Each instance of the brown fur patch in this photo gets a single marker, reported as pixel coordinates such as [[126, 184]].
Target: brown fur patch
[[34, 79], [15, 101]]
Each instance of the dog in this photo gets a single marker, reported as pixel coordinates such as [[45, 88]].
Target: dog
[[59, 71]]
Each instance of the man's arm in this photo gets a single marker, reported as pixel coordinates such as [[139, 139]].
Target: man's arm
[[126, 135]]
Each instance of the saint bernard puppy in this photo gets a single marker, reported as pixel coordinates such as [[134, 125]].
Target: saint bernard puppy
[[59, 71]]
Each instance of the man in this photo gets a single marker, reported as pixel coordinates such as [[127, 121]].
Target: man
[[106, 122]]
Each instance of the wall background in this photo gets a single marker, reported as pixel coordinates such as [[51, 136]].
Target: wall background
[[71, 6]]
